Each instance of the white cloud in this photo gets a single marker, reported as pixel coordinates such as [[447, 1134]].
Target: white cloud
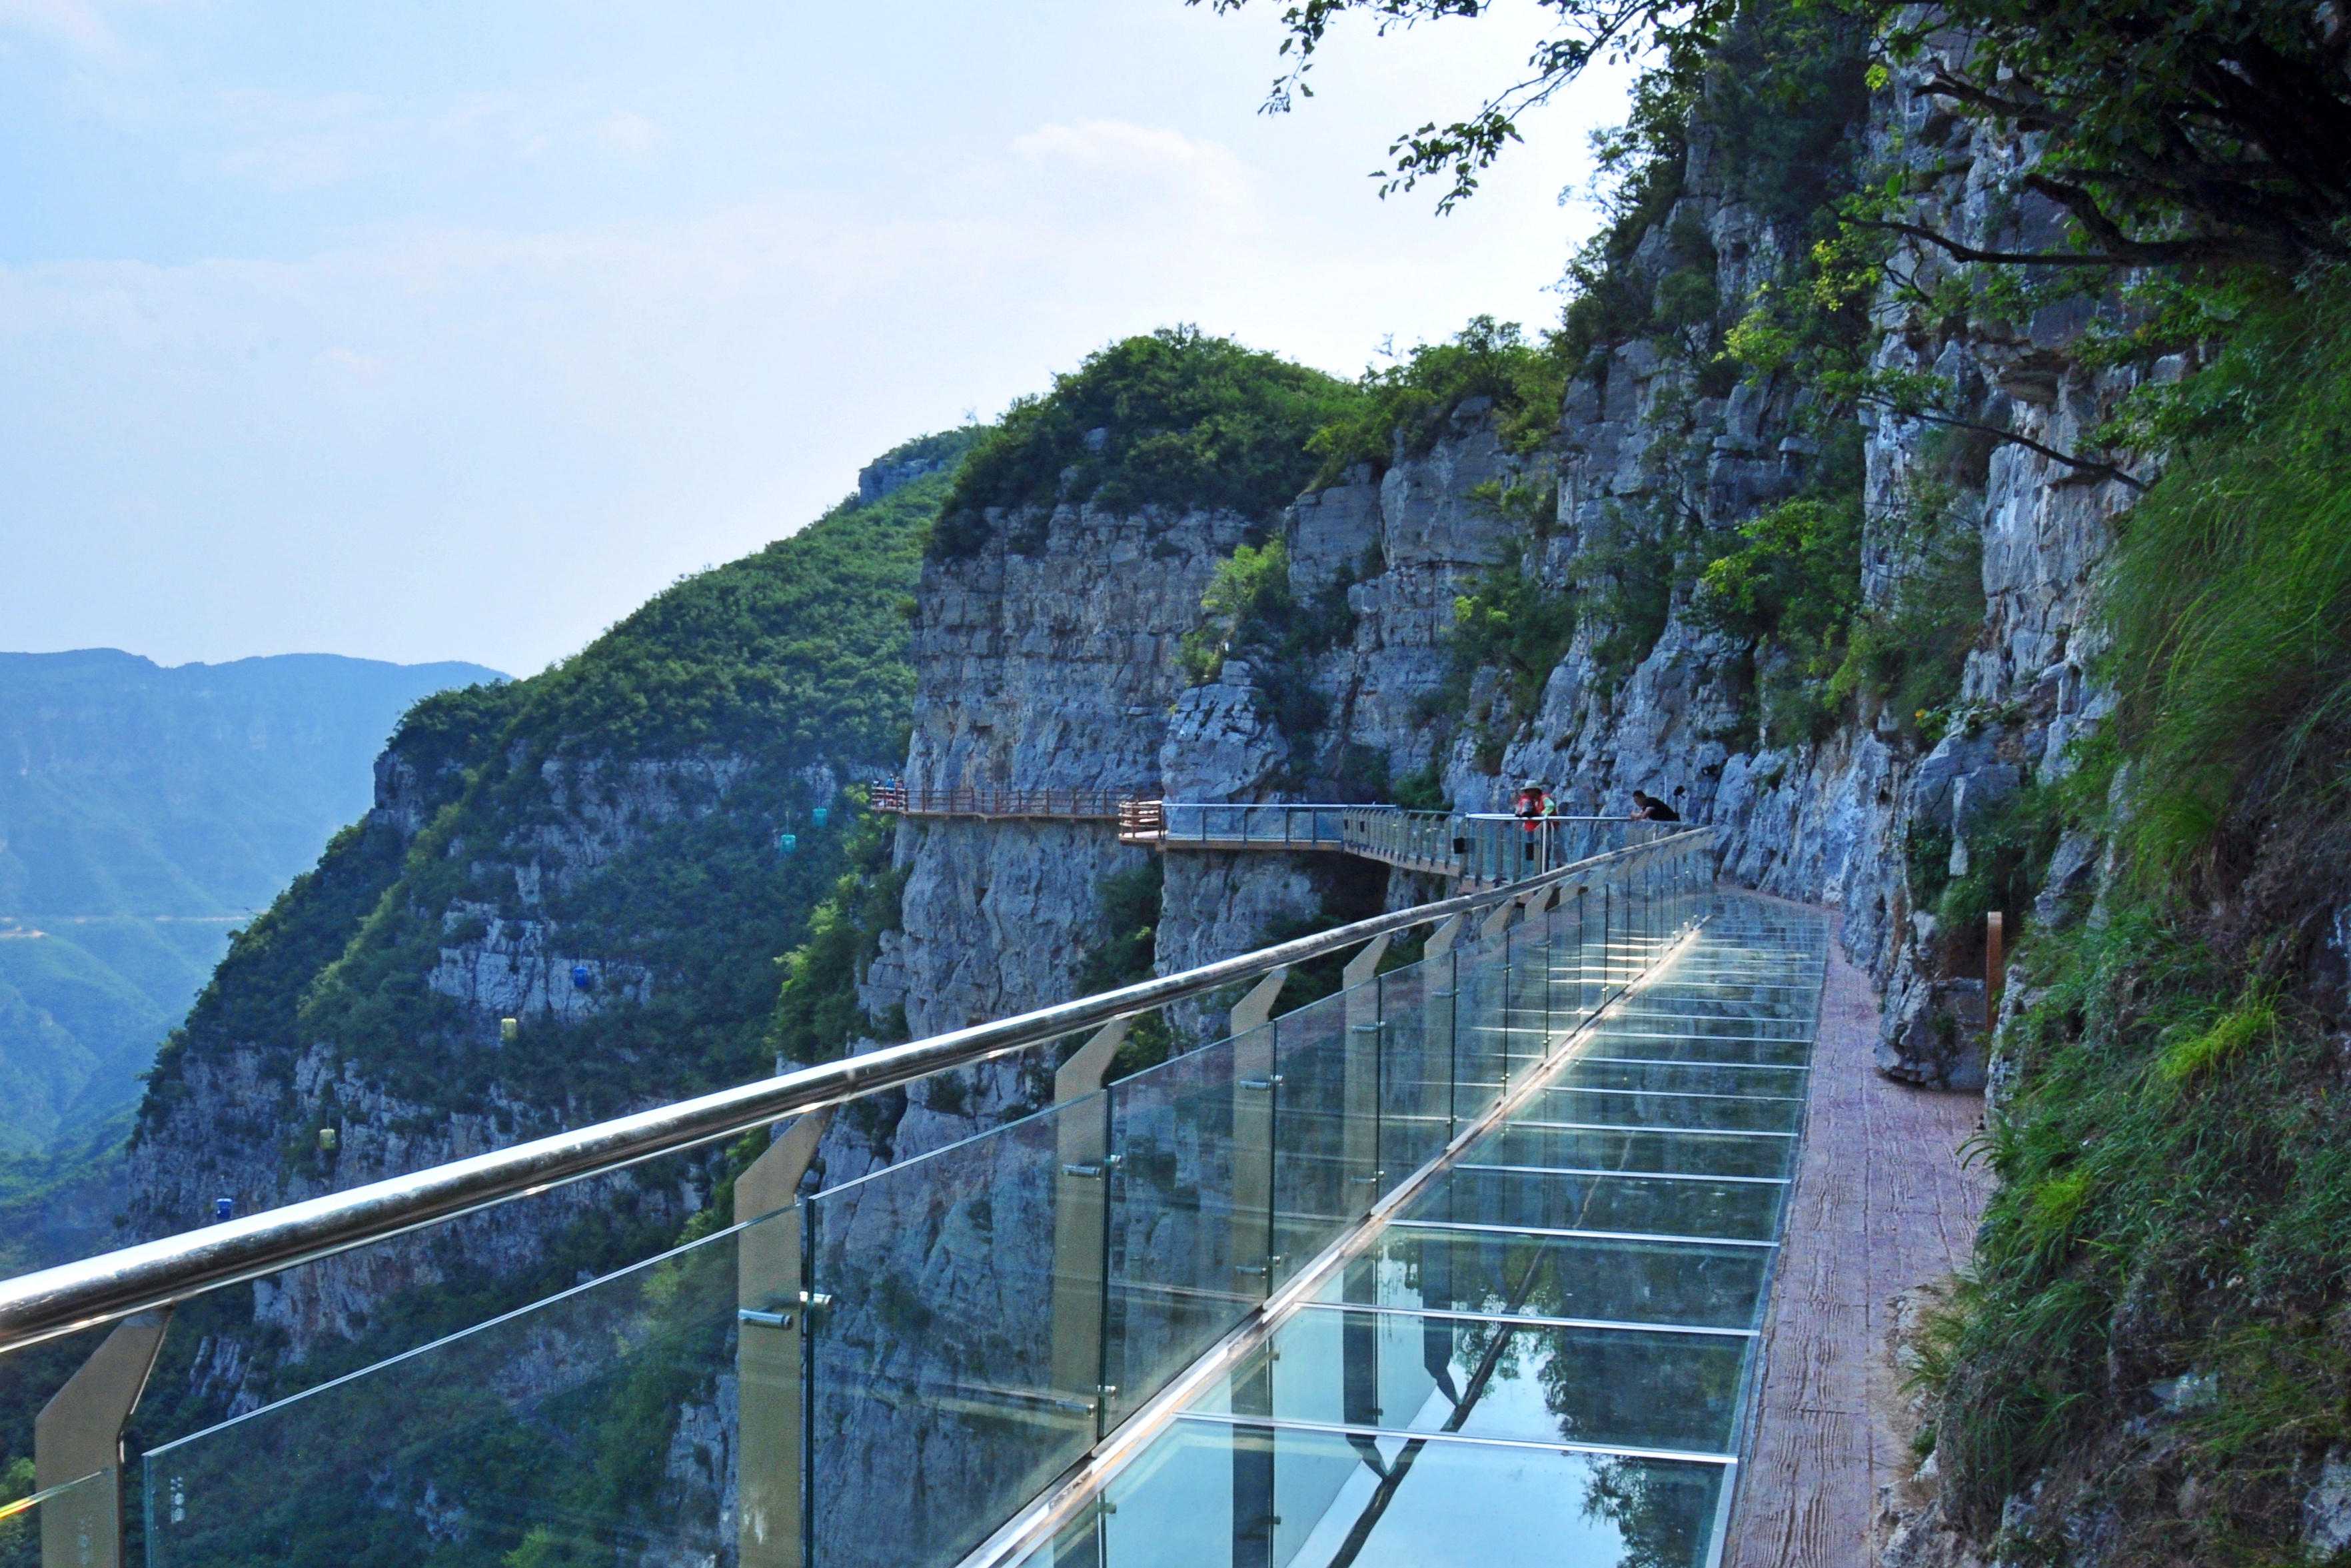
[[455, 379], [1210, 170], [74, 23], [633, 136]]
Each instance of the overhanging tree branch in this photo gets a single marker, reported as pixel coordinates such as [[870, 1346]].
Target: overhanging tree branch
[[1953, 421]]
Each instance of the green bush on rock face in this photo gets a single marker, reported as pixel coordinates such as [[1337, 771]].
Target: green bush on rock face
[[1175, 418], [2176, 1171], [1407, 405]]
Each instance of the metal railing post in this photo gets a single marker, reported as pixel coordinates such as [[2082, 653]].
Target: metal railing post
[[78, 1433], [1360, 1142], [1082, 1223], [771, 1300], [1254, 1088]]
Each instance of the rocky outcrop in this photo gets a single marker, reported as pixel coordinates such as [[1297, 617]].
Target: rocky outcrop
[[245, 1125], [1049, 660]]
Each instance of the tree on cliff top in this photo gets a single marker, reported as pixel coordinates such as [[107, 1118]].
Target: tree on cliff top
[[1174, 418], [2208, 130]]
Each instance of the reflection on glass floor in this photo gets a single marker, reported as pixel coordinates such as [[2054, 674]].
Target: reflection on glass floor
[[1544, 1356]]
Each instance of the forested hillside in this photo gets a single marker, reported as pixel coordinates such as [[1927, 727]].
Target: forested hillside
[[146, 813], [615, 854], [143, 813]]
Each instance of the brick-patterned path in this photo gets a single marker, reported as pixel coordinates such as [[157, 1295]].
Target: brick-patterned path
[[1881, 1204]]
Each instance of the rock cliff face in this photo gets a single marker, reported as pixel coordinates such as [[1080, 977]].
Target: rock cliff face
[[1050, 655], [1643, 453], [227, 1128], [1051, 665], [567, 902]]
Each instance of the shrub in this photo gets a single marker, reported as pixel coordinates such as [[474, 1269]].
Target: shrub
[[1250, 612], [1405, 407], [1174, 418], [2229, 591]]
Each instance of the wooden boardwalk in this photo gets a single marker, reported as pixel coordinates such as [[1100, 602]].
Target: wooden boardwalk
[[1881, 1204]]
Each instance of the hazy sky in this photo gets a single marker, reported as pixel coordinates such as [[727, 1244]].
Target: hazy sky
[[443, 330]]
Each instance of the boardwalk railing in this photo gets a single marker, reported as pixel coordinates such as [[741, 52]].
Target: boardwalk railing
[[1488, 847], [999, 1306], [1069, 805]]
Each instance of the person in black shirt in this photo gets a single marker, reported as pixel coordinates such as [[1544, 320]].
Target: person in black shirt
[[1649, 807]]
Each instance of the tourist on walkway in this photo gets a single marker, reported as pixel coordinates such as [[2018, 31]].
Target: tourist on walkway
[[1647, 807]]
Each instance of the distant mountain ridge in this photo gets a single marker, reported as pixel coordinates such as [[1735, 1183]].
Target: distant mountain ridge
[[130, 788], [145, 810]]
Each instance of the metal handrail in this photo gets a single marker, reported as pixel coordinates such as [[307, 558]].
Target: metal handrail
[[75, 1296], [896, 799]]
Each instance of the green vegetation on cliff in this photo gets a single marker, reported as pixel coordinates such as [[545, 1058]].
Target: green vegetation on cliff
[[721, 715], [2162, 1301], [1405, 406], [1174, 418], [624, 811]]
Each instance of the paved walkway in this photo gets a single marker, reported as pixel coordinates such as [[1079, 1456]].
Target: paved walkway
[[1881, 1204]]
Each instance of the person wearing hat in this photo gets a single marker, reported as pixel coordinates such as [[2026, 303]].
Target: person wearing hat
[[1534, 805]]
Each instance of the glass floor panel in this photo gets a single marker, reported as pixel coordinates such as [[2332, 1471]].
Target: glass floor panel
[[1554, 1147], [1762, 1012], [1686, 1284], [1729, 990], [1673, 1047], [1535, 1383], [1220, 1494], [1680, 1078], [1544, 1355], [1692, 1023], [1639, 1108], [1622, 1206]]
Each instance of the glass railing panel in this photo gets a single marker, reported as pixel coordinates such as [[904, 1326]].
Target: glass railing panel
[[1588, 908], [1480, 1028], [1217, 1493], [1636, 1108], [1629, 1204], [931, 1366], [1325, 1127], [1173, 1289], [1522, 1382], [1540, 1147], [1688, 1284], [1530, 996], [545, 1435], [70, 1524], [1562, 964], [1415, 1068]]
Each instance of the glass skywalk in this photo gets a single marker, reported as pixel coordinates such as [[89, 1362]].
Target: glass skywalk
[[1545, 1356], [1512, 1203]]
